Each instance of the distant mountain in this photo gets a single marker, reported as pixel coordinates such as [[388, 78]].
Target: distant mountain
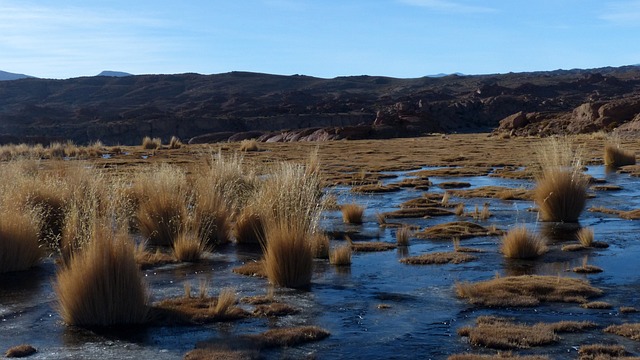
[[11, 76], [114, 73], [237, 105], [443, 75]]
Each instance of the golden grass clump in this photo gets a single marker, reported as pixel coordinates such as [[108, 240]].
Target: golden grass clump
[[249, 228], [151, 144], [503, 334], [402, 235], [288, 256], [526, 291], [340, 256], [614, 156], [352, 213], [20, 351], [585, 236], [601, 351], [290, 336], [457, 229], [175, 143], [211, 215], [188, 247], [230, 177], [19, 247], [499, 356], [439, 258], [320, 245], [631, 330], [249, 145], [102, 285], [561, 187], [162, 195], [519, 243]]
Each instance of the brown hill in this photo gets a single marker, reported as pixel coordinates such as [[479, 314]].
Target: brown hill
[[241, 105]]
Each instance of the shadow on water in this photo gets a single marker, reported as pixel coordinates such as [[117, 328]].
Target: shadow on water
[[559, 232]]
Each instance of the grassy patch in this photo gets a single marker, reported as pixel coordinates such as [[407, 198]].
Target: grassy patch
[[459, 229], [352, 213], [19, 351], [439, 258], [631, 331], [526, 290], [290, 336], [251, 268], [340, 256], [519, 243]]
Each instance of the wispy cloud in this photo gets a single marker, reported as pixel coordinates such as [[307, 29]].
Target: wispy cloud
[[448, 6], [622, 13]]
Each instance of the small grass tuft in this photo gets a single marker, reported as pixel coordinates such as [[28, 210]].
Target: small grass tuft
[[352, 213], [585, 236], [188, 247], [403, 234], [341, 256], [20, 351], [151, 144], [614, 156], [519, 243], [175, 143], [249, 145]]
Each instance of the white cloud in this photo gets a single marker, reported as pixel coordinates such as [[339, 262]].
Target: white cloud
[[448, 6], [622, 13]]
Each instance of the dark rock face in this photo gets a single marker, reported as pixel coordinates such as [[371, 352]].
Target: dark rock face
[[238, 105]]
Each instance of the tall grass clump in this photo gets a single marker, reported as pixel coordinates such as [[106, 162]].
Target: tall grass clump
[[561, 187], [19, 247], [341, 256], [519, 243], [614, 156], [352, 213], [151, 144], [162, 195], [289, 202], [188, 247], [288, 254], [211, 215], [101, 285], [249, 227], [175, 143]]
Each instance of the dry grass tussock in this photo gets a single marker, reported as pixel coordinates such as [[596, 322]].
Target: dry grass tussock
[[614, 156], [499, 356], [249, 227], [162, 195], [597, 305], [251, 268], [519, 243], [340, 256], [526, 290], [561, 187], [503, 334], [151, 144], [320, 245], [439, 258], [403, 234], [188, 247], [201, 309], [19, 246], [290, 203], [631, 331], [457, 229], [290, 336], [288, 255], [601, 351], [352, 213], [210, 215], [175, 143], [19, 351], [249, 145], [101, 285], [147, 259]]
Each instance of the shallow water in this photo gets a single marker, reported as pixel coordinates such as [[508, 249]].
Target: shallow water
[[423, 312]]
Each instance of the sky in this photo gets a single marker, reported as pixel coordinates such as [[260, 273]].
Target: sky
[[323, 38]]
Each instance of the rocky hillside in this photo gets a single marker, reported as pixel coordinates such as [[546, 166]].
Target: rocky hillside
[[240, 105]]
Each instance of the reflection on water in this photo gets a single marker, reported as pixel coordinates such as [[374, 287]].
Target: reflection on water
[[559, 232]]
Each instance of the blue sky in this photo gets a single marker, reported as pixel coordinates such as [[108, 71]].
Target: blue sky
[[324, 38]]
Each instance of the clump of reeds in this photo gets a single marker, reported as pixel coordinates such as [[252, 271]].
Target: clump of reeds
[[101, 285], [320, 245], [402, 235], [561, 187], [288, 256], [19, 247], [188, 246], [340, 256], [162, 196], [352, 213], [225, 302], [519, 243], [249, 145], [151, 144], [249, 228], [175, 143], [211, 215], [585, 236], [614, 156]]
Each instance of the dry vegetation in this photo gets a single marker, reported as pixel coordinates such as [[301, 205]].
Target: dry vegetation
[[561, 187], [614, 156], [340, 256], [519, 243], [352, 213], [438, 258], [457, 229], [503, 334], [631, 331], [117, 294], [20, 351], [526, 290]]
